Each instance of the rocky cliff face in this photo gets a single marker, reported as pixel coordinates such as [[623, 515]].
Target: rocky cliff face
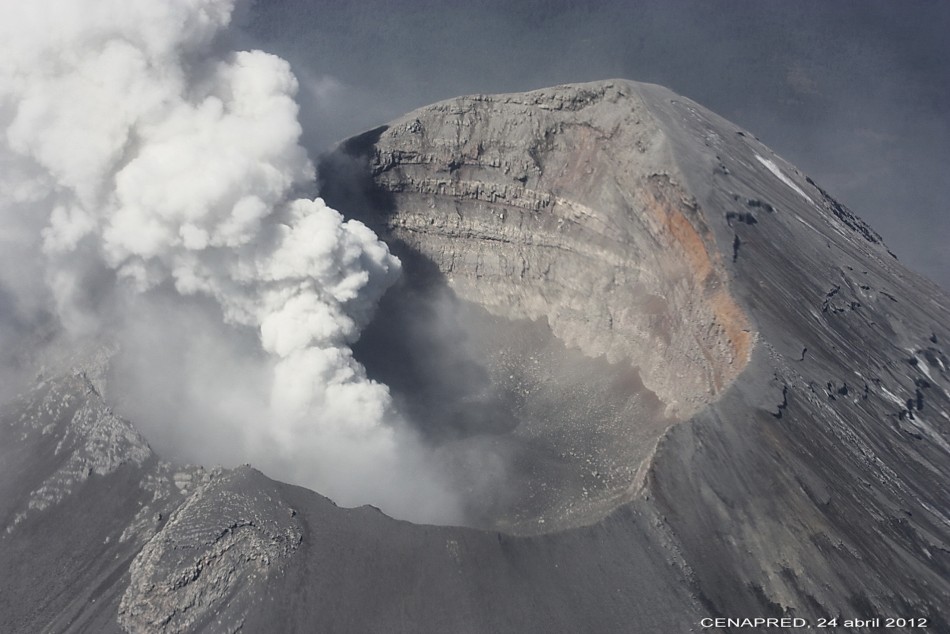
[[566, 205], [716, 393]]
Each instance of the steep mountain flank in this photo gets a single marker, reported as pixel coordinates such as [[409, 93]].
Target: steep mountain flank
[[640, 226]]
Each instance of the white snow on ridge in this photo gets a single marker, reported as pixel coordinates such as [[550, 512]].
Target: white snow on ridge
[[772, 167], [893, 397]]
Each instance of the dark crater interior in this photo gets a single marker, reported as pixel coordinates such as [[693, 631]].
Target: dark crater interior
[[535, 436]]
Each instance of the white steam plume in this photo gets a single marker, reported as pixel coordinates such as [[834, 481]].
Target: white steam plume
[[154, 162]]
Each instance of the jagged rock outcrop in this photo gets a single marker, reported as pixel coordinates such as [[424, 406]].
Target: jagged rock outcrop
[[217, 548], [97, 527], [564, 208], [85, 438], [718, 392]]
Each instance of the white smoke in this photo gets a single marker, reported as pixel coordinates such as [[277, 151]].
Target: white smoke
[[136, 156]]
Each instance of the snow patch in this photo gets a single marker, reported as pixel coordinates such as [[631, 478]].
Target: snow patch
[[804, 222], [779, 174], [921, 363], [893, 397]]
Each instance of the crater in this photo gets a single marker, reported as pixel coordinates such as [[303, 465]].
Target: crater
[[535, 435], [564, 301]]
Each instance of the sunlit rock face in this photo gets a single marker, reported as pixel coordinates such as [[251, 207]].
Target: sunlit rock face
[[565, 205], [674, 378], [559, 221]]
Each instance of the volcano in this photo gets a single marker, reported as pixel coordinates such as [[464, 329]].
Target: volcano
[[673, 379]]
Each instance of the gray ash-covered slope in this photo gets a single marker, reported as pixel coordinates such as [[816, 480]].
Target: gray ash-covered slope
[[715, 390], [99, 535]]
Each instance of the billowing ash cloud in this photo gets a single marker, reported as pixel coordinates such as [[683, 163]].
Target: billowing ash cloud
[[144, 172]]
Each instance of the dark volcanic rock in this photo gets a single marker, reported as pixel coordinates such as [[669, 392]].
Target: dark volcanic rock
[[215, 551], [719, 393]]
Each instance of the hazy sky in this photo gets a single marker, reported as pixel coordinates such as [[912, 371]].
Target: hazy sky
[[857, 94]]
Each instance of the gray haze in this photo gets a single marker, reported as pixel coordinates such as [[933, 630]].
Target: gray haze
[[855, 93], [148, 179]]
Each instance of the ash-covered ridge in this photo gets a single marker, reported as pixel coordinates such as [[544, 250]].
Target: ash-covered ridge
[[712, 381]]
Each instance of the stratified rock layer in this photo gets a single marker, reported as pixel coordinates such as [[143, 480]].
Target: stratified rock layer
[[564, 209], [566, 205], [792, 434]]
